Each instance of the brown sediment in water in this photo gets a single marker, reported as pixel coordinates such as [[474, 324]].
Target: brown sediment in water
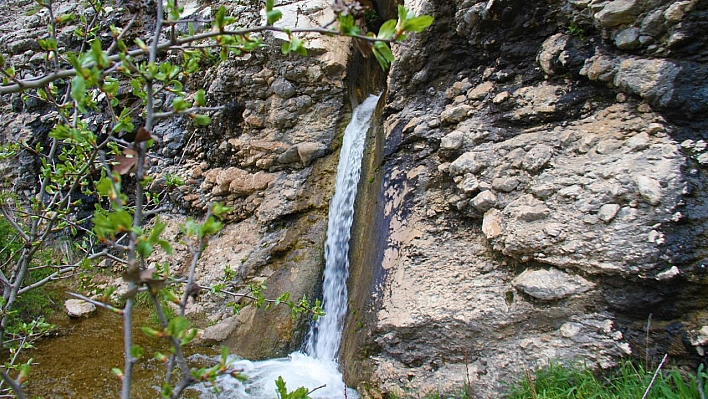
[[77, 362]]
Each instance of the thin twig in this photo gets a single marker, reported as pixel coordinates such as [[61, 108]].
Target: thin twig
[[322, 386], [97, 303], [656, 373], [16, 387]]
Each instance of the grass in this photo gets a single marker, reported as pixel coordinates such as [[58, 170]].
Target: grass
[[627, 381]]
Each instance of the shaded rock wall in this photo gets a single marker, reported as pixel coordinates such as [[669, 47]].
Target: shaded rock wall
[[541, 195]]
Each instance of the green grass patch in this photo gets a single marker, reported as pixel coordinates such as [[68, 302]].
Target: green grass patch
[[629, 380]]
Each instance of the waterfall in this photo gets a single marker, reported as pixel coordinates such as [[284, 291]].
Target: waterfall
[[326, 333], [318, 369]]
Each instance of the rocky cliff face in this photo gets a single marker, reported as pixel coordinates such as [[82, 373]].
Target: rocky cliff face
[[541, 193], [534, 191]]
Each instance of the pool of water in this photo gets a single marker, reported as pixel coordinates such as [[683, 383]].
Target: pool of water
[[77, 362]]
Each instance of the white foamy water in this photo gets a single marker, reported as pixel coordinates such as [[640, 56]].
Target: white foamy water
[[318, 369]]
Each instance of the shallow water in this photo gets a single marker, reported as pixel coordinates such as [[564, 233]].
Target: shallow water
[[77, 362]]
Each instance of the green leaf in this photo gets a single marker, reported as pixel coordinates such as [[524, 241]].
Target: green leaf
[[141, 44], [166, 246], [218, 210], [219, 18], [387, 30], [280, 388], [144, 248], [78, 91], [273, 16], [136, 352], [199, 98], [48, 44], [179, 104], [224, 355], [417, 24], [157, 230], [402, 14], [62, 19], [177, 327], [298, 46], [201, 120], [346, 25], [383, 54], [151, 332]]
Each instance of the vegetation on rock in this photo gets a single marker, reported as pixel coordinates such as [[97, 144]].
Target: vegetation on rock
[[101, 100]]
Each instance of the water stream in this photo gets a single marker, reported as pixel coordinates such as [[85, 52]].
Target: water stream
[[317, 367], [77, 363]]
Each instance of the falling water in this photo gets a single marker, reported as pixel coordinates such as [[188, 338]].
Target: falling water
[[319, 368], [324, 338]]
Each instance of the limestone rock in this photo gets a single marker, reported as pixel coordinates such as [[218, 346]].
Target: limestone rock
[[469, 162], [492, 224], [552, 284], [676, 11], [79, 308], [220, 331], [608, 212], [617, 12], [537, 158], [481, 91], [452, 141], [310, 151], [550, 51], [650, 189], [455, 114], [627, 39], [484, 201]]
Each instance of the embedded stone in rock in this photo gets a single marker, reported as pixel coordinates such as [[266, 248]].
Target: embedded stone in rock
[[537, 158], [452, 141], [78, 308], [470, 185], [220, 331], [248, 184], [600, 67], [291, 155], [672, 272], [627, 39], [638, 142], [550, 50], [283, 88], [608, 212], [675, 12], [469, 162], [653, 23], [652, 79], [492, 223], [649, 189], [550, 285], [505, 185], [484, 201], [618, 12], [700, 337], [530, 213], [480, 92], [310, 151], [455, 114]]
